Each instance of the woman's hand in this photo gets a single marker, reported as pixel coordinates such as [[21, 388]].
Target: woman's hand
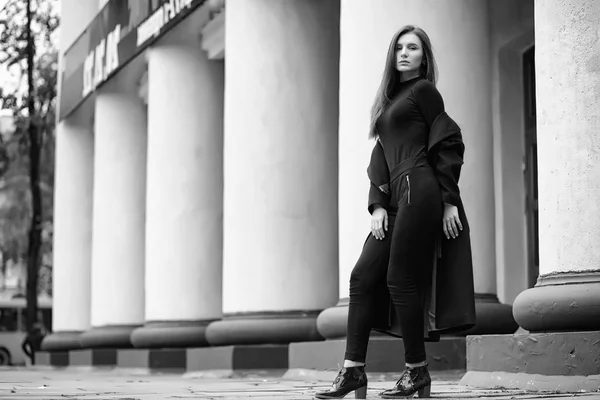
[[379, 222], [451, 222]]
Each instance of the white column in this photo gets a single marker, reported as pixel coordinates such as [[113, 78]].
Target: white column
[[568, 123], [467, 98], [566, 296], [119, 218], [74, 166], [464, 82], [280, 218], [72, 227], [184, 222]]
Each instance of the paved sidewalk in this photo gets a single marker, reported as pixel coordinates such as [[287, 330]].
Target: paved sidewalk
[[51, 384]]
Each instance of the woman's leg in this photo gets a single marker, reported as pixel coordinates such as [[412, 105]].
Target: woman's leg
[[407, 281], [411, 262], [368, 274]]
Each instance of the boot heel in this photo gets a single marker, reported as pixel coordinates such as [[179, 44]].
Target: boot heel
[[425, 392], [360, 393]]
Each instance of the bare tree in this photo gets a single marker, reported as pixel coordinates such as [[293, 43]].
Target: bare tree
[[23, 27]]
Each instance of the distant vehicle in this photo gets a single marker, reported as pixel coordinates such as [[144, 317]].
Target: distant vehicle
[[13, 323]]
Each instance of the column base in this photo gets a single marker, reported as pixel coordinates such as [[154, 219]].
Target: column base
[[332, 322], [170, 334], [62, 341], [493, 317], [560, 302], [114, 337], [561, 361], [264, 328]]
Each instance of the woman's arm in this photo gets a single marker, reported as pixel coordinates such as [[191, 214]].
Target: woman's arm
[[429, 100], [377, 198], [448, 160], [447, 157], [379, 176]]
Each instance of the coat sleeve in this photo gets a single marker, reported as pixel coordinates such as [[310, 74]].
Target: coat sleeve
[[448, 153], [379, 177], [376, 196], [429, 100], [448, 161]]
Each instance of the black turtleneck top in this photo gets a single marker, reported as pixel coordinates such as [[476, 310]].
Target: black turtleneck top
[[403, 127]]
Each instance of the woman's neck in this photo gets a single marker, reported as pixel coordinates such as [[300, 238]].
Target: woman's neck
[[401, 82], [407, 76]]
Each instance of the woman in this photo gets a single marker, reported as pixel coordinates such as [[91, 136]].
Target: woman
[[414, 199]]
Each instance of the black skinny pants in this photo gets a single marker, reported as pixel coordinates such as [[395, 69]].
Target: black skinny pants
[[404, 259]]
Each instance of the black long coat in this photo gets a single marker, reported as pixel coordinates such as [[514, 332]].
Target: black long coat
[[450, 303]]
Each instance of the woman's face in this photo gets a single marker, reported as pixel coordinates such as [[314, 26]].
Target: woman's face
[[409, 53]]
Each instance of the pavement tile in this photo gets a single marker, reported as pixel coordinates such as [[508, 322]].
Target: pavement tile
[[115, 384]]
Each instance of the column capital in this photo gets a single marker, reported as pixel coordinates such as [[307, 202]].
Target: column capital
[[216, 5], [143, 87], [213, 36]]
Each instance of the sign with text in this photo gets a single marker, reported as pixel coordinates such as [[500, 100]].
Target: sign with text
[[118, 34]]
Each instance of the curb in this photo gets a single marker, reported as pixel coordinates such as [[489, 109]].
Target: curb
[[532, 382]]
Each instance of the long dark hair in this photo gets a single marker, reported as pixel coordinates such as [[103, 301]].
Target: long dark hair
[[390, 74]]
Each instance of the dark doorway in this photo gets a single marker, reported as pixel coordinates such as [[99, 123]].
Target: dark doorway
[[531, 171]]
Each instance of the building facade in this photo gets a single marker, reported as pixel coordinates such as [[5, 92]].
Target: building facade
[[211, 162]]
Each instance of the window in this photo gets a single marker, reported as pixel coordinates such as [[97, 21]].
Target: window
[[9, 320]]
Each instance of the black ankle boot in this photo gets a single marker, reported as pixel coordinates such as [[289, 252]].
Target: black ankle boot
[[411, 381], [347, 380]]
